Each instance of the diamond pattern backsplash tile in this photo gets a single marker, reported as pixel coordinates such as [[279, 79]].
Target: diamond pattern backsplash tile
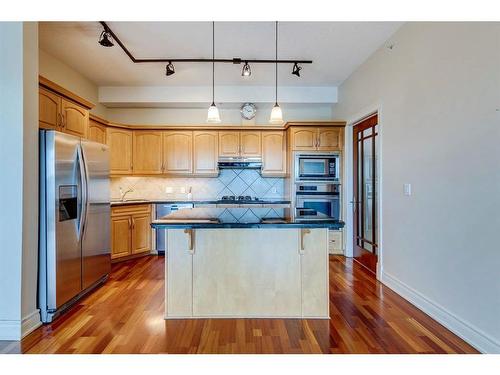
[[229, 182]]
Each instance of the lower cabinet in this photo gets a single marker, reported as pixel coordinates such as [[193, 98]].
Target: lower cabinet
[[130, 230], [335, 243]]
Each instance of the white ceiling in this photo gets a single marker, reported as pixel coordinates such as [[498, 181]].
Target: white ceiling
[[336, 48]]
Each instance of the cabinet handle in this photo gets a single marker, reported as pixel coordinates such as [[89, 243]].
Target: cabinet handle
[[129, 223], [59, 120], [133, 223], [303, 233], [190, 233], [63, 122]]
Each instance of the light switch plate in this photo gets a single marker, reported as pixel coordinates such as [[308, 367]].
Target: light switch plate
[[407, 189]]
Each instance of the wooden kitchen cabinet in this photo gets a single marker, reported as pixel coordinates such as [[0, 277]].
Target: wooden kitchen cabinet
[[120, 151], [205, 152], [49, 112], [273, 153], [147, 152], [96, 132], [75, 118], [316, 138], [130, 231], [240, 143], [177, 152]]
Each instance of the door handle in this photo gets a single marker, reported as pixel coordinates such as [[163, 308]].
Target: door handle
[[190, 233], [303, 233]]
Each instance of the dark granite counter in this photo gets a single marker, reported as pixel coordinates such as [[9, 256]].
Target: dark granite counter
[[201, 202], [179, 224]]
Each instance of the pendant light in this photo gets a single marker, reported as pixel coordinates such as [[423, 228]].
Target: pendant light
[[213, 111], [276, 114]]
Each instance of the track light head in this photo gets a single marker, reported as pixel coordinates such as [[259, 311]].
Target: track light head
[[105, 39], [296, 70], [246, 72], [170, 69]]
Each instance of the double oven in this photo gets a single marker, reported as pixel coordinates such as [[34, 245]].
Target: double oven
[[317, 186]]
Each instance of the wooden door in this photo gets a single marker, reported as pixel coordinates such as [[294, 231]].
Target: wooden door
[[120, 151], [250, 144], [96, 132], [147, 152], [304, 139], [365, 187], [178, 152], [75, 118], [205, 152], [229, 143], [49, 110], [120, 236], [141, 233], [330, 139], [273, 153]]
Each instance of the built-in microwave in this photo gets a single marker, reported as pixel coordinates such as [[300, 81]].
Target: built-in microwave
[[317, 201], [317, 167]]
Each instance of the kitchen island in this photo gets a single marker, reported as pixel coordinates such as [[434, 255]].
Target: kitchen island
[[269, 269]]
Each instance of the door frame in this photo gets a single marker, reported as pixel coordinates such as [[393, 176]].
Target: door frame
[[348, 188]]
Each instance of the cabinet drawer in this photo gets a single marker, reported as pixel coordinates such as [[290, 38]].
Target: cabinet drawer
[[130, 209]]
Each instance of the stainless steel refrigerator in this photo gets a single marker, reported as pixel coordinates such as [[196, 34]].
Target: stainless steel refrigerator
[[75, 252]]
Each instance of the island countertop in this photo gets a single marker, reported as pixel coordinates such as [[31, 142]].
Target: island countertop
[[205, 224]]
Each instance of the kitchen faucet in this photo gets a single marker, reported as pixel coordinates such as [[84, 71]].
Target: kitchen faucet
[[123, 194]]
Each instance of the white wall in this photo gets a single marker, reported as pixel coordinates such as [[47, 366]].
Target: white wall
[[438, 91], [18, 178], [65, 76]]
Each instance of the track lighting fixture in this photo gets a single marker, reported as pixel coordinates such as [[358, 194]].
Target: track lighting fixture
[[276, 114], [246, 72], [170, 69], [105, 39], [296, 70], [213, 112]]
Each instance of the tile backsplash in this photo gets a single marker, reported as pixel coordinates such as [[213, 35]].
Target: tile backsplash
[[229, 182]]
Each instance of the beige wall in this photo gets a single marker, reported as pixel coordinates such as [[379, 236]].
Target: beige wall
[[438, 92], [65, 76]]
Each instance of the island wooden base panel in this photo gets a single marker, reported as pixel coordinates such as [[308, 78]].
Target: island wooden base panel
[[126, 316]]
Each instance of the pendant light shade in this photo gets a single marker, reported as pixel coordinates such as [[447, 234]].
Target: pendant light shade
[[276, 114], [213, 116]]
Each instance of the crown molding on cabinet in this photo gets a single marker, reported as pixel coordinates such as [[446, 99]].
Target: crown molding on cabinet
[[47, 83]]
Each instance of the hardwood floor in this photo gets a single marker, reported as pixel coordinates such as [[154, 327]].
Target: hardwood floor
[[126, 316]]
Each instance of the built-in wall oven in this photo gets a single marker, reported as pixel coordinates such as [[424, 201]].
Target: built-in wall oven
[[317, 167], [317, 201]]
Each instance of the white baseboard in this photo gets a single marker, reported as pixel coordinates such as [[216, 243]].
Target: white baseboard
[[10, 330], [474, 336], [30, 323]]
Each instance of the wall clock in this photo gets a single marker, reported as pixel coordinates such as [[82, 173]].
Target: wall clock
[[248, 111]]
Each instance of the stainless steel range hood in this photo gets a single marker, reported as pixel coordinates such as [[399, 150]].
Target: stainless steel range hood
[[240, 163]]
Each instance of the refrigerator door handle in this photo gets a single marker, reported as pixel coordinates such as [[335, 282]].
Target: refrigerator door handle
[[83, 184], [86, 202]]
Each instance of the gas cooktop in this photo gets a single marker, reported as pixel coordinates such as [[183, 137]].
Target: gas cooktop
[[240, 198]]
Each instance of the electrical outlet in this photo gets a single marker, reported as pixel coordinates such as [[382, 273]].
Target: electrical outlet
[[407, 189], [274, 190], [182, 190], [169, 190]]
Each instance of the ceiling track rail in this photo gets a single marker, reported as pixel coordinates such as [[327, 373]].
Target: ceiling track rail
[[234, 60]]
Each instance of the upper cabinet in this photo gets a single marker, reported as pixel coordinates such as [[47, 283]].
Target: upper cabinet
[[178, 152], [240, 143], [147, 152], [96, 132], [316, 138], [205, 153], [75, 118], [273, 154], [49, 104], [120, 151]]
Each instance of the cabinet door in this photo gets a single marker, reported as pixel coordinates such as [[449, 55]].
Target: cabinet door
[[330, 139], [120, 236], [120, 151], [75, 118], [49, 107], [177, 152], [141, 233], [146, 152], [205, 152], [97, 132], [273, 153], [229, 143], [250, 144], [304, 139]]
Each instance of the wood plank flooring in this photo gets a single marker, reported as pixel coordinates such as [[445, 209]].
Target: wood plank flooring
[[126, 316]]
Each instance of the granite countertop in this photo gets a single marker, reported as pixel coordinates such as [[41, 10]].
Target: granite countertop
[[199, 202], [179, 224]]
